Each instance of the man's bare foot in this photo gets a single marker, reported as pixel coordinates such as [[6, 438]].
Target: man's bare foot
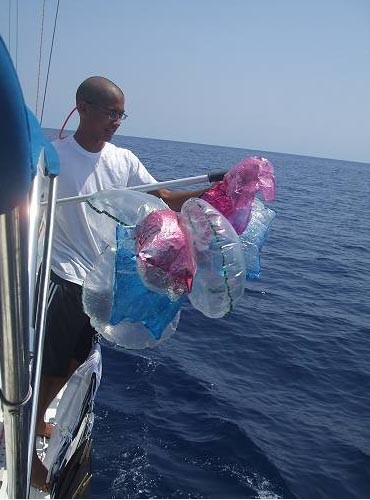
[[39, 474], [46, 429]]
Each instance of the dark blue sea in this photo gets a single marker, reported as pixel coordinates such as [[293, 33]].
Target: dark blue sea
[[272, 401]]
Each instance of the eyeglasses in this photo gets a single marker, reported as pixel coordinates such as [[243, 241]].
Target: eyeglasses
[[110, 113]]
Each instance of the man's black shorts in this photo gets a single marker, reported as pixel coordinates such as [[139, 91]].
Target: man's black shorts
[[68, 333]]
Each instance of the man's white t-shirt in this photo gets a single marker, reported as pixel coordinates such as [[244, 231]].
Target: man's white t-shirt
[[81, 173]]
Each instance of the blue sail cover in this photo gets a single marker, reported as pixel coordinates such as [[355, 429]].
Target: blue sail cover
[[21, 139], [37, 142]]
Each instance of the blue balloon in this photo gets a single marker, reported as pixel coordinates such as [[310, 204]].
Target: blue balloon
[[254, 236], [132, 301]]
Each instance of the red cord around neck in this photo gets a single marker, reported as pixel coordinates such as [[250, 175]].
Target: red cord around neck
[[65, 123]]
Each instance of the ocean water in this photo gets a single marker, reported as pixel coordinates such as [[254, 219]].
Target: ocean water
[[272, 401]]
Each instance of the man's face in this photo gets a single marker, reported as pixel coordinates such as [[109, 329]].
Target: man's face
[[102, 119]]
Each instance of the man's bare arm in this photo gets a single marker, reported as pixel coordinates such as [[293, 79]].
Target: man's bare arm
[[175, 199]]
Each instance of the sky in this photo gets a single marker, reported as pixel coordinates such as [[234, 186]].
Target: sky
[[289, 76]]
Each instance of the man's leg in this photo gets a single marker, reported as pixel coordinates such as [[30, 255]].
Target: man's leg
[[64, 322], [49, 388]]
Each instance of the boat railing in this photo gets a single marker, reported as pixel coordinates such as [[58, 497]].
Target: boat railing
[[22, 147]]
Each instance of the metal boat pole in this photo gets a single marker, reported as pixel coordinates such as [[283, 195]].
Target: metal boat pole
[[14, 343], [34, 227], [185, 181], [41, 312]]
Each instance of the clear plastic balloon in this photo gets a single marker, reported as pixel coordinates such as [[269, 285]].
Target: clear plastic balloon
[[100, 289], [164, 255], [254, 236], [105, 209], [98, 301], [220, 278], [132, 301], [152, 256], [234, 195]]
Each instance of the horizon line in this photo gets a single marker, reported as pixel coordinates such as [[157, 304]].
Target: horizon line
[[305, 155]]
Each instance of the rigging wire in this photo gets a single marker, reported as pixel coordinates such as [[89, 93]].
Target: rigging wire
[[40, 54], [50, 55], [9, 22], [16, 35]]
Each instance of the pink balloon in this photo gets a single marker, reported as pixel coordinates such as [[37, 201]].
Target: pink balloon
[[234, 195], [164, 256]]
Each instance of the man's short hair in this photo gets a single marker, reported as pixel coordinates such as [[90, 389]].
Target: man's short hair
[[96, 89]]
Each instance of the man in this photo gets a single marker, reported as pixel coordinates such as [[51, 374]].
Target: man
[[88, 163]]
